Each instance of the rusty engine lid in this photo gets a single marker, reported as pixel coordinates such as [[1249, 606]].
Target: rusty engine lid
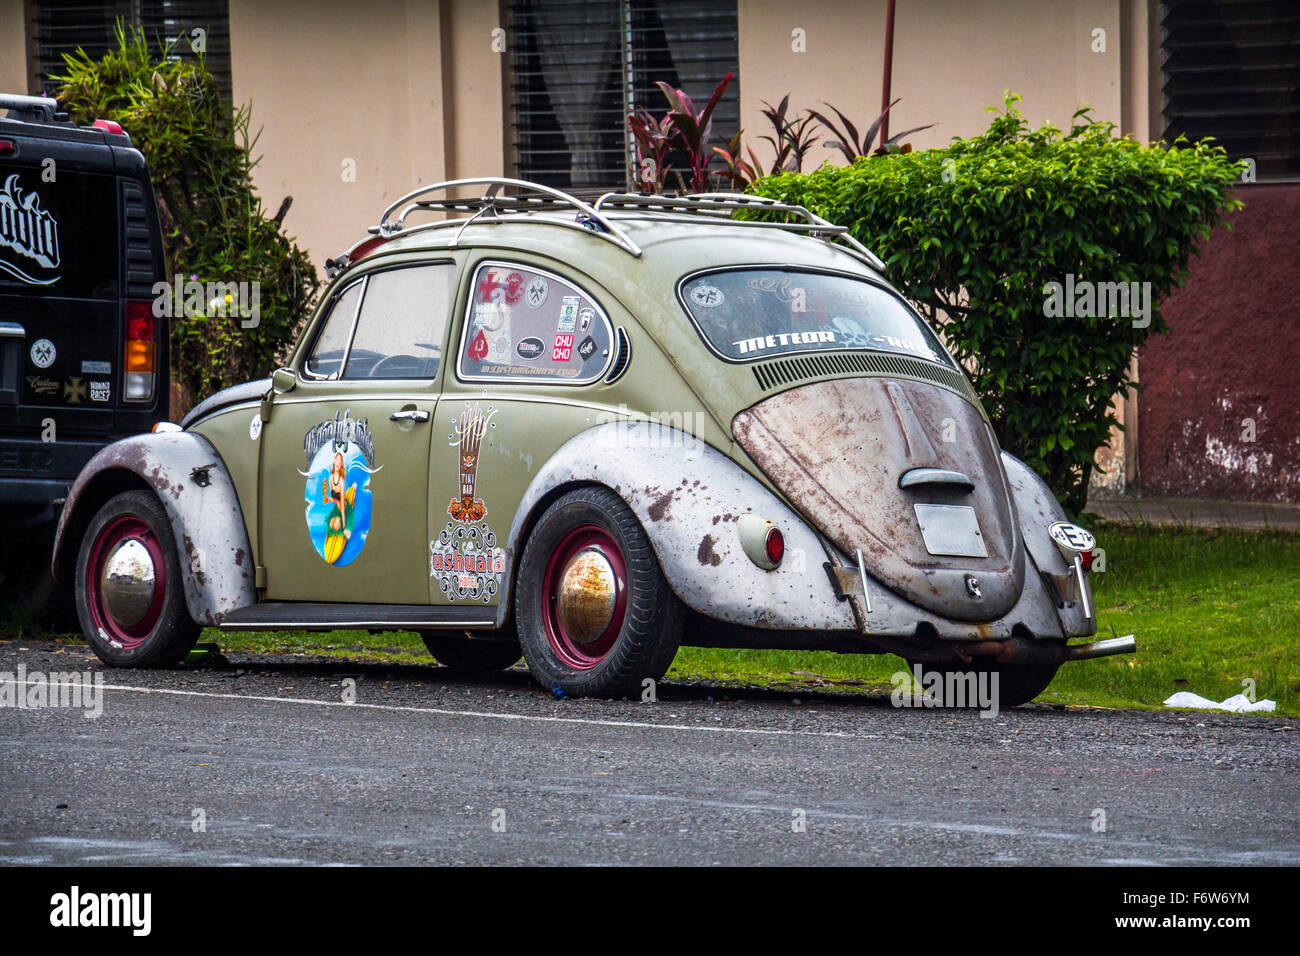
[[838, 449]]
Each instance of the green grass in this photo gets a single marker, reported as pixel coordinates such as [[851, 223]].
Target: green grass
[[1208, 608]]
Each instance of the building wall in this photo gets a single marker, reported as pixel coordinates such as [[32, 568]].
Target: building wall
[[952, 58], [13, 48], [367, 102], [1233, 354]]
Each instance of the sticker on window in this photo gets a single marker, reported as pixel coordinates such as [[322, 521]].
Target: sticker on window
[[750, 314], [526, 325]]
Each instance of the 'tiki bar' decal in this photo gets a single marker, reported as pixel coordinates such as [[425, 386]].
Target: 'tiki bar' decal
[[340, 456], [465, 559]]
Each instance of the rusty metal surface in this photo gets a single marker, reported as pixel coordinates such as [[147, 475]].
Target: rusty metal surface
[[893, 616], [688, 496], [837, 449], [215, 557], [1036, 508]]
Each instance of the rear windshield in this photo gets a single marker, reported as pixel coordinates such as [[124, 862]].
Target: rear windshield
[[750, 314]]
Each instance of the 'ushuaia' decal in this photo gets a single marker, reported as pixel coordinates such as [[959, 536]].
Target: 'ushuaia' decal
[[28, 230], [465, 559]]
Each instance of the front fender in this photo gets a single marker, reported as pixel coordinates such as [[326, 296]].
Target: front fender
[[214, 553], [688, 497]]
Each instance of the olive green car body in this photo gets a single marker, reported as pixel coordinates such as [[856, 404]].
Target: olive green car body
[[658, 427]]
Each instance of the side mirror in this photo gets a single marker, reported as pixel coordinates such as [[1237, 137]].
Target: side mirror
[[283, 380]]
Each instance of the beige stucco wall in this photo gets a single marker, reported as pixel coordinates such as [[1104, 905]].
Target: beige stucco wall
[[952, 58], [402, 92], [13, 48]]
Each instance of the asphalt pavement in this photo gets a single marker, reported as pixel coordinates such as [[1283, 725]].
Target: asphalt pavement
[[261, 760]]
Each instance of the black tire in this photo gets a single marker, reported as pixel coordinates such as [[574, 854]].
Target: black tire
[[167, 633], [1017, 683], [643, 635], [467, 655]]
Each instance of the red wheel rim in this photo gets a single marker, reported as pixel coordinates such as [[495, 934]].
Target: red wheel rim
[[117, 533], [578, 654]]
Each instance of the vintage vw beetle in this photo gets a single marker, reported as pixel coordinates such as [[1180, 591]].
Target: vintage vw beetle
[[655, 423]]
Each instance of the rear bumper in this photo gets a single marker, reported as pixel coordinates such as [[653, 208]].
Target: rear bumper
[[881, 613]]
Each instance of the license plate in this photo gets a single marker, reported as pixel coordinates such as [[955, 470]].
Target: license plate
[[951, 529]]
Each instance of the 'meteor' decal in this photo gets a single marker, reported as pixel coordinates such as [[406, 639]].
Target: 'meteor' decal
[[28, 230]]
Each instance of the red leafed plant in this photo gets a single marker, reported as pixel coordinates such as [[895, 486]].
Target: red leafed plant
[[694, 129], [738, 171], [793, 138], [653, 142], [847, 142]]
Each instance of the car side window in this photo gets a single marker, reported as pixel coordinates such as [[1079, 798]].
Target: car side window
[[332, 344], [403, 316], [524, 324]]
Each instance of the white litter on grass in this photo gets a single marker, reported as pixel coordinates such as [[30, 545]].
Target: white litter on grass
[[1237, 703]]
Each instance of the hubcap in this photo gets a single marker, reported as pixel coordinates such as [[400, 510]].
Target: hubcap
[[587, 596], [584, 596], [127, 582]]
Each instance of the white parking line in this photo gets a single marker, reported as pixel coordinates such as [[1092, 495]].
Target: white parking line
[[491, 715]]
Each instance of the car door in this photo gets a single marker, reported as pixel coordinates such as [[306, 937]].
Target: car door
[[344, 464], [514, 391]]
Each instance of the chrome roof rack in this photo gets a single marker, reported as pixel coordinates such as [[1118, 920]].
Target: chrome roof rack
[[494, 207], [722, 205], [490, 208]]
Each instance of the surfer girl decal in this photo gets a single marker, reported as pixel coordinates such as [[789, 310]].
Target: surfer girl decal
[[340, 459]]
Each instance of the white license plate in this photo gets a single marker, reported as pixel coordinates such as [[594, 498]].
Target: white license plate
[[951, 529]]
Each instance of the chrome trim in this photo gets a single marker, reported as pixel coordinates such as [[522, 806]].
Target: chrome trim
[[491, 203], [12, 330], [128, 581], [1083, 587], [862, 573], [711, 203], [934, 476]]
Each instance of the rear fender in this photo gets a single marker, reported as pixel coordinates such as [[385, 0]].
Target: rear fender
[[688, 497], [191, 481], [1036, 508]]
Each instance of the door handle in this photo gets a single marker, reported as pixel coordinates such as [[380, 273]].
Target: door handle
[[409, 415]]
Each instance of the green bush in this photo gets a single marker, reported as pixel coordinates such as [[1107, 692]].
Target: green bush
[[214, 227], [972, 235]]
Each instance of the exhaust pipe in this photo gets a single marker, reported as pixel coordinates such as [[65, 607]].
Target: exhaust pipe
[[1106, 648], [1013, 650]]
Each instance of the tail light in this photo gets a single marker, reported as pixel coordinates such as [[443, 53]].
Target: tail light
[[774, 545], [140, 357], [1086, 557]]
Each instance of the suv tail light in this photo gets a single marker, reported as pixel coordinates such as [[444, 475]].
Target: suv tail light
[[140, 353]]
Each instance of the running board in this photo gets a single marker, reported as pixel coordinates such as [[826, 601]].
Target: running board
[[302, 616]]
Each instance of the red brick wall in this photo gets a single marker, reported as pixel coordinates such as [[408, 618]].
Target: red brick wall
[[1233, 354]]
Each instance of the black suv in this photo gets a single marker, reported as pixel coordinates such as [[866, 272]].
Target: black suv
[[83, 359]]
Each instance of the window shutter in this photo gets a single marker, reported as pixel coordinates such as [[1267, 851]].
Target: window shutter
[[1232, 71], [691, 48], [63, 26]]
